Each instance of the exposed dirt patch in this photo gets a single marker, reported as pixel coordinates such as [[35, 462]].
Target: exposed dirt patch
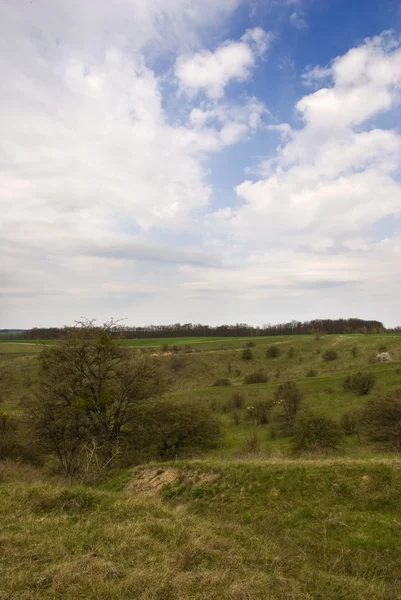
[[152, 480]]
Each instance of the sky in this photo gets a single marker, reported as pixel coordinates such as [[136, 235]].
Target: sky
[[200, 161]]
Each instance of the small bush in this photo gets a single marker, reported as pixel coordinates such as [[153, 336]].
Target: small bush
[[289, 397], [273, 352], [313, 431], [311, 373], [175, 348], [222, 382], [359, 383], [257, 377], [330, 355], [372, 359], [350, 422], [382, 420], [165, 348], [382, 348], [260, 411], [355, 351], [236, 418], [188, 349], [247, 354], [238, 400], [251, 444], [250, 344], [8, 436], [291, 352]]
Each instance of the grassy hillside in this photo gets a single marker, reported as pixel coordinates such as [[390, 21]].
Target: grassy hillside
[[200, 529]]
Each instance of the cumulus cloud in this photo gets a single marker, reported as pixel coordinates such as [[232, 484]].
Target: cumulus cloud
[[232, 61]]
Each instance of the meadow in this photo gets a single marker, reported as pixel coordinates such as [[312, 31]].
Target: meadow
[[247, 520]]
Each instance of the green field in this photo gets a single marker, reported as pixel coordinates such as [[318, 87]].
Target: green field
[[241, 522]]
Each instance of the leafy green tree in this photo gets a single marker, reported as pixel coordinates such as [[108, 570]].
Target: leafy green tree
[[273, 352], [87, 393]]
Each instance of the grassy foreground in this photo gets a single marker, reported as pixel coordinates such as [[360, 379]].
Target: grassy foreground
[[321, 529]]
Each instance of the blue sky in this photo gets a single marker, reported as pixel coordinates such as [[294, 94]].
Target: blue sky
[[194, 160]]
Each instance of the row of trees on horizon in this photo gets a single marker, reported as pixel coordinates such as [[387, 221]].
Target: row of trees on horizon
[[323, 326]]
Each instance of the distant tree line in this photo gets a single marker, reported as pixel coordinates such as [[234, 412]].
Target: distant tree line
[[317, 326]]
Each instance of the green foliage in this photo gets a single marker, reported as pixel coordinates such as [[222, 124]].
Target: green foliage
[[251, 444], [257, 377], [382, 420], [360, 383], [87, 392], [250, 344], [311, 373], [164, 347], [382, 348], [247, 354], [355, 351], [288, 397], [350, 422], [291, 352], [167, 429], [238, 400], [313, 431], [330, 355], [259, 411], [223, 381], [273, 352]]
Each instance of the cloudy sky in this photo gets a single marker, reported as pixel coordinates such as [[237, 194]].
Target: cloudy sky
[[199, 160]]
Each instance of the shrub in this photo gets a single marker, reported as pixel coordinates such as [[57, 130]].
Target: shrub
[[289, 397], [311, 373], [167, 429], [354, 351], [313, 431], [251, 444], [260, 411], [382, 420], [359, 383], [188, 349], [238, 400], [257, 377], [247, 354], [222, 382], [350, 422], [382, 348], [273, 352], [291, 352], [236, 418], [175, 348], [165, 348], [8, 436], [250, 344], [330, 355]]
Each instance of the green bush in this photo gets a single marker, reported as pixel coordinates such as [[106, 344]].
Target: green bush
[[223, 381], [273, 352], [330, 355], [237, 400], [291, 352], [350, 422], [250, 344], [313, 431], [177, 363], [167, 429], [247, 354], [257, 377], [359, 383], [260, 411], [382, 420], [311, 373], [355, 351], [288, 397]]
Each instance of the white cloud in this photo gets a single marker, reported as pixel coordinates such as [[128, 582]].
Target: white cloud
[[297, 20], [212, 71]]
